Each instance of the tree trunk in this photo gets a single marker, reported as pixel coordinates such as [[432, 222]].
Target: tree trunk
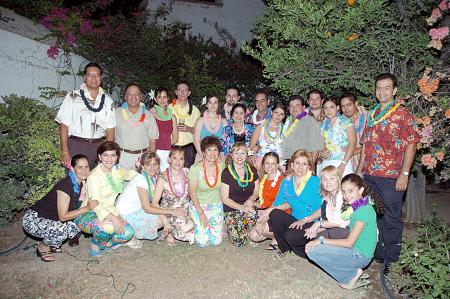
[[415, 198]]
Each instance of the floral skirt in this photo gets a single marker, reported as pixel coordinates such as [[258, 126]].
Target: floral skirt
[[145, 225], [239, 225], [212, 234]]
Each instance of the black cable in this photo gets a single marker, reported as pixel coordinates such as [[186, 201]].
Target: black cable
[[12, 249], [386, 291]]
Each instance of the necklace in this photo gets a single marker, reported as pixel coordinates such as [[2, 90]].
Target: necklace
[[161, 114], [289, 130], [116, 184], [266, 192], [256, 113], [172, 187], [86, 102], [217, 120], [269, 139], [303, 183], [248, 170], [179, 113], [73, 179], [216, 178], [350, 208], [125, 114], [151, 182], [388, 110]]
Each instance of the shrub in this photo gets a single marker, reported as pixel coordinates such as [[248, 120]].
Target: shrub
[[29, 159], [423, 268]]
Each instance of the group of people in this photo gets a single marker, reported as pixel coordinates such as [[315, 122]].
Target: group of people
[[293, 176]]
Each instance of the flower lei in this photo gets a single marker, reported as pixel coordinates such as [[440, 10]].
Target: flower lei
[[161, 114], [219, 121], [86, 102], [289, 130], [303, 183], [125, 114], [256, 112], [350, 208], [115, 181], [248, 170], [205, 176], [172, 187], [272, 185], [177, 111], [151, 182], [388, 110], [267, 137], [73, 179]]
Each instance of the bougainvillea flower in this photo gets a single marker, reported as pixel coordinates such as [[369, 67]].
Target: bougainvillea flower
[[436, 13], [53, 51], [71, 39], [444, 5], [86, 27], [428, 161], [438, 33], [440, 156], [447, 113], [427, 87]]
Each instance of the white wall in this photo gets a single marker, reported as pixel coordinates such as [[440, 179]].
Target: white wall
[[24, 63], [237, 16]]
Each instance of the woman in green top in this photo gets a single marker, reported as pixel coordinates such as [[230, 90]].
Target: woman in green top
[[344, 259], [204, 189]]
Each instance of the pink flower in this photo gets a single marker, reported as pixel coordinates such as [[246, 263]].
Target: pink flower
[[439, 33], [47, 22], [436, 13], [427, 131], [59, 13], [86, 27], [440, 156], [71, 38], [102, 3], [443, 5], [53, 51], [428, 161]]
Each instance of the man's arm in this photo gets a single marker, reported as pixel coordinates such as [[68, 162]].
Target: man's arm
[[63, 140], [408, 160], [361, 161], [110, 134], [152, 145]]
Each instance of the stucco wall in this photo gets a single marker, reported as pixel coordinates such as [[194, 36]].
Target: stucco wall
[[236, 16]]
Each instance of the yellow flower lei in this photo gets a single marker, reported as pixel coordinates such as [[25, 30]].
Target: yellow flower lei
[[250, 179], [303, 183], [178, 113], [289, 130], [386, 115], [261, 186]]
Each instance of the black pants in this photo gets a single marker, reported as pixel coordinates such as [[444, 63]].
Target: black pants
[[390, 224], [288, 238]]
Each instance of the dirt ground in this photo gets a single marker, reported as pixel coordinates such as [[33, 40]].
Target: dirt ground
[[182, 271]]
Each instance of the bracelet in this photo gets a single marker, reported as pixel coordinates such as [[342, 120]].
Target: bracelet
[[306, 219]]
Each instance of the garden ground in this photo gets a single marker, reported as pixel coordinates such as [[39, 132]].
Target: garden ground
[[160, 271]]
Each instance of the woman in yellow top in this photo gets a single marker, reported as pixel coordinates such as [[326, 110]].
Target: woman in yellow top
[[104, 183]]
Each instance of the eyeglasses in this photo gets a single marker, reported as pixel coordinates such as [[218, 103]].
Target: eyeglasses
[[136, 94], [93, 75]]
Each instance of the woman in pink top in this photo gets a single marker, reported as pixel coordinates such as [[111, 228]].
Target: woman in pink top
[[167, 126]]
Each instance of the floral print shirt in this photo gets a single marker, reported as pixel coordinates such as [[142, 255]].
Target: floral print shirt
[[385, 143], [335, 136], [228, 137]]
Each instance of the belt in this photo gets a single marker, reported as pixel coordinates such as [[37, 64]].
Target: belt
[[134, 152], [87, 140], [182, 146]]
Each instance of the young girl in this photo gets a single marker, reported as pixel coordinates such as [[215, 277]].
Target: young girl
[[344, 259], [269, 185], [172, 192], [331, 224], [167, 126], [134, 203]]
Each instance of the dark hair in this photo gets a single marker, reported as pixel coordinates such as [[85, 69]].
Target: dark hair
[[75, 159], [267, 155], [237, 105], [262, 91], [319, 92], [146, 158], [92, 64], [368, 191], [210, 141], [232, 87], [279, 105], [296, 97], [330, 99], [176, 149], [205, 107], [161, 89], [184, 82], [385, 76], [108, 146], [349, 96], [133, 84]]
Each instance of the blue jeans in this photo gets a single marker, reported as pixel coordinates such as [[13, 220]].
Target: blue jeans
[[390, 224], [339, 262]]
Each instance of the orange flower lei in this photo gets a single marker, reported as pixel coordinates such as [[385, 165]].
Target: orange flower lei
[[268, 191], [216, 179]]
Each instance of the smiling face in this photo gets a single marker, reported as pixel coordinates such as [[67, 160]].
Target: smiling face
[[315, 101], [348, 107], [81, 169], [93, 77], [151, 167], [213, 105], [108, 159], [211, 154], [238, 115], [162, 98], [330, 109], [231, 96], [278, 115], [295, 108], [239, 155], [270, 166], [351, 192], [385, 91], [176, 160], [261, 102], [182, 92], [329, 181], [133, 96], [300, 166]]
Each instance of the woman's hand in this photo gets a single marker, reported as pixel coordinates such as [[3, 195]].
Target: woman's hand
[[311, 245], [118, 224], [341, 169], [311, 233], [298, 224], [92, 204], [325, 154], [249, 203], [245, 208], [204, 220], [181, 213]]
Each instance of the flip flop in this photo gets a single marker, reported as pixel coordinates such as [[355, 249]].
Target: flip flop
[[57, 249], [280, 255], [46, 256], [272, 247], [364, 276]]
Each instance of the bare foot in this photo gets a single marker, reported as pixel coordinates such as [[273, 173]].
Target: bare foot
[[170, 240]]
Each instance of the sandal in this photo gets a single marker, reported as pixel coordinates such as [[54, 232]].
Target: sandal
[[272, 247], [360, 283], [46, 256], [57, 249], [364, 276], [280, 254], [134, 243]]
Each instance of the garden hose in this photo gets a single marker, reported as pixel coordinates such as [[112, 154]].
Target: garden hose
[[386, 291], [9, 251]]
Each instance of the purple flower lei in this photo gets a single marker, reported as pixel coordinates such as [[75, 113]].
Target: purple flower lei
[[302, 115], [360, 203]]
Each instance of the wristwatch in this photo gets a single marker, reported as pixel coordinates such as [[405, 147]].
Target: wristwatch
[[405, 173], [322, 239]]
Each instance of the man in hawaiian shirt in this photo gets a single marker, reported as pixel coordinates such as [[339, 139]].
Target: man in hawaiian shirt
[[389, 147], [85, 118]]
